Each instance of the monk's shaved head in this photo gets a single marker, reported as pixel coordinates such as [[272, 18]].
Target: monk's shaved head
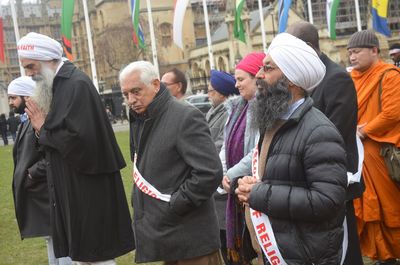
[[305, 31]]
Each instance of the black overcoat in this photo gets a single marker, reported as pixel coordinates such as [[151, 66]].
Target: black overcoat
[[31, 196], [336, 97], [176, 154], [89, 213]]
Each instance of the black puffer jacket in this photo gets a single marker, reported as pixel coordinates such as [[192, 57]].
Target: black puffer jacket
[[303, 188]]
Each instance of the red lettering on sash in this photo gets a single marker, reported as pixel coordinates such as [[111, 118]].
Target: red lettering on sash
[[264, 238], [275, 260], [140, 184], [260, 228], [257, 214]]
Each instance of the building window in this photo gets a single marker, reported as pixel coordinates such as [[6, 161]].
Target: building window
[[394, 15], [166, 34], [56, 32], [10, 36], [13, 57], [221, 64], [346, 22]]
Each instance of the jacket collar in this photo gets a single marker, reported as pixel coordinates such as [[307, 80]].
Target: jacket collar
[[215, 111], [66, 70], [301, 110]]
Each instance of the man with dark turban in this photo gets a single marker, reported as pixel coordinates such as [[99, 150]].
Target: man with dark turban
[[222, 85]]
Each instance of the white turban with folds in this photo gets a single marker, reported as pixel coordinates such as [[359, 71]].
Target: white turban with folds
[[22, 86], [39, 47], [297, 60]]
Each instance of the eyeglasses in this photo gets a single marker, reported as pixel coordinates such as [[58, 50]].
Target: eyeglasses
[[267, 68], [170, 84]]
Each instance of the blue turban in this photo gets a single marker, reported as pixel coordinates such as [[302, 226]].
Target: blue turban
[[223, 83]]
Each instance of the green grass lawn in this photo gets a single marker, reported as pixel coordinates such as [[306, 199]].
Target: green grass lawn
[[33, 251]]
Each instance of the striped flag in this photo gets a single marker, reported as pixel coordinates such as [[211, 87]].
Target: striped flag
[[379, 17], [66, 26], [179, 15], [238, 29], [331, 8], [283, 14], [138, 37]]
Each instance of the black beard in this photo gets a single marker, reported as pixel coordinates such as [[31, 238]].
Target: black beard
[[272, 103], [21, 108]]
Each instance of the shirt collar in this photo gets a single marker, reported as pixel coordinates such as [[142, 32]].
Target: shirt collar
[[292, 108], [23, 117], [59, 66]]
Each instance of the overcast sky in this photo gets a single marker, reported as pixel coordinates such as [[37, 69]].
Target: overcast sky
[[5, 2]]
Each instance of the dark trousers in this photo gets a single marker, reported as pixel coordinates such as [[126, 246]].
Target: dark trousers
[[4, 136], [353, 254], [13, 135]]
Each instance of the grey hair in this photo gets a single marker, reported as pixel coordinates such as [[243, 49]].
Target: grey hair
[[147, 71]]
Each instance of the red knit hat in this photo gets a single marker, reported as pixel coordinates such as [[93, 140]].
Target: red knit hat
[[251, 63]]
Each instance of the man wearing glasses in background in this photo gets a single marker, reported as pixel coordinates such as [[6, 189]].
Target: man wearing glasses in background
[[175, 81]]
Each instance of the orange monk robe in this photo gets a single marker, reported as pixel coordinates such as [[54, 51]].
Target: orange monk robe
[[378, 210]]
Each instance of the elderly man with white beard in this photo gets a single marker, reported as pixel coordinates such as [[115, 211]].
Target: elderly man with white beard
[[297, 190], [29, 185], [89, 215]]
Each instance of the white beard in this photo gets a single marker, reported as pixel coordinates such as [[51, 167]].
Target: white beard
[[44, 88]]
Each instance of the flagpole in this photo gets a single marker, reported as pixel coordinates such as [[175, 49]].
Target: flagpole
[[16, 31], [209, 44], [90, 44], [152, 37], [310, 15], [264, 41], [358, 15]]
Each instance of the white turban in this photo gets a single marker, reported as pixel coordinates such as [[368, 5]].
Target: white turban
[[22, 86], [297, 60], [39, 47]]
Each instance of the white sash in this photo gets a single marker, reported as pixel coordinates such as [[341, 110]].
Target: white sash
[[146, 187], [356, 177], [262, 226]]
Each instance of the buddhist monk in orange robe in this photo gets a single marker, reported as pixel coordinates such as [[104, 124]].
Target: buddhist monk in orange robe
[[378, 210]]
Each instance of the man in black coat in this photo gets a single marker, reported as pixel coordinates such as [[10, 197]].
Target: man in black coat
[[30, 192], [13, 123], [297, 190], [89, 213], [176, 171], [336, 97]]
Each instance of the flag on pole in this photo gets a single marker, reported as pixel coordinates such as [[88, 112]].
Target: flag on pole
[[379, 17], [283, 14], [331, 9], [66, 26], [1, 37], [179, 15], [138, 37], [1, 40], [238, 29]]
